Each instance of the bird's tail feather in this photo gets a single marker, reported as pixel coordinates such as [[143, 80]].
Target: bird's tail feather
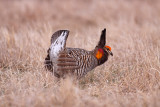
[[48, 63], [58, 34], [58, 42]]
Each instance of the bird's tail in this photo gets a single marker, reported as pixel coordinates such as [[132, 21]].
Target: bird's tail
[[59, 34], [58, 43], [48, 63]]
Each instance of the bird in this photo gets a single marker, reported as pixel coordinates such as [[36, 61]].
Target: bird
[[62, 60]]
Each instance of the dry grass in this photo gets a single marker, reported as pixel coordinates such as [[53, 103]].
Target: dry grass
[[130, 78]]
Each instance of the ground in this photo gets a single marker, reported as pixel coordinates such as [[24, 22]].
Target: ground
[[131, 78]]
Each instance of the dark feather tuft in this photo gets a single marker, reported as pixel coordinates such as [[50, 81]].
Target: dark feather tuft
[[102, 40]]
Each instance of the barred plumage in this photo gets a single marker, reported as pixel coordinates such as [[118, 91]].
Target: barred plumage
[[62, 60]]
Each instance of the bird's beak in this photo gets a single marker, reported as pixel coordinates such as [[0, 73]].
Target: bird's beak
[[108, 51], [111, 53]]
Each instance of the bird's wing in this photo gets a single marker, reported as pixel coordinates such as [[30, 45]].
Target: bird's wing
[[58, 42], [66, 63]]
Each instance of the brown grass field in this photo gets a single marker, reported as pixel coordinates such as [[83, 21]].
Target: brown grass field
[[131, 78]]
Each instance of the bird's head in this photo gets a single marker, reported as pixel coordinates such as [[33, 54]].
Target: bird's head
[[108, 50], [102, 51]]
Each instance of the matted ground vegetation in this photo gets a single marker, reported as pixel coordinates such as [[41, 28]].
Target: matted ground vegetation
[[131, 78]]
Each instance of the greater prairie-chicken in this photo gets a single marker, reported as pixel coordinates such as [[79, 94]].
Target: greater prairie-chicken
[[63, 60]]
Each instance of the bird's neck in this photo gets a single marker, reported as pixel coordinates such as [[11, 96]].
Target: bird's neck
[[102, 59]]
